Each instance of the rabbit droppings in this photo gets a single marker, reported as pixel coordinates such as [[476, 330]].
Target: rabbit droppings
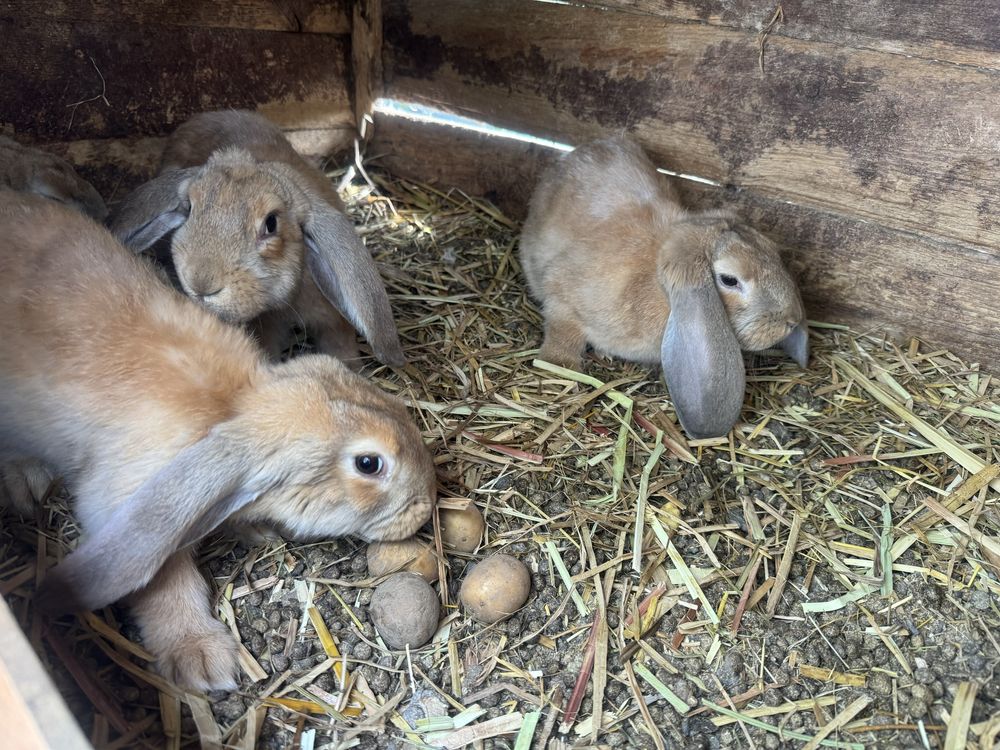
[[260, 235], [165, 422], [616, 262]]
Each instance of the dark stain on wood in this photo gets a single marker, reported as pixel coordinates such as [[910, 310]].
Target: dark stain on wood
[[613, 100], [156, 77]]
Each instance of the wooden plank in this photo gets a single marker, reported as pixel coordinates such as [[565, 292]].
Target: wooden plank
[[860, 273], [366, 59], [957, 31], [33, 716], [152, 78], [907, 143], [314, 16]]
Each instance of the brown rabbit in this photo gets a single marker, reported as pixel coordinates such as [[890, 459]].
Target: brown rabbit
[[31, 170], [618, 263], [260, 235], [166, 422]]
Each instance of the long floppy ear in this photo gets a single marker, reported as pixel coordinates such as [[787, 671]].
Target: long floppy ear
[[203, 485], [60, 183], [153, 210], [796, 345], [345, 272], [702, 362]]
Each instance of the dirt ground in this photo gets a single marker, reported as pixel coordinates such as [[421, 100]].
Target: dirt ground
[[815, 460]]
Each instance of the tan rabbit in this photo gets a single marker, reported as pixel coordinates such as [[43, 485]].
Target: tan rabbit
[[31, 170], [260, 235], [617, 263], [165, 422]]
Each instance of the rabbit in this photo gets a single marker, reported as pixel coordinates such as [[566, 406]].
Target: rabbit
[[261, 236], [616, 262], [165, 422], [30, 170]]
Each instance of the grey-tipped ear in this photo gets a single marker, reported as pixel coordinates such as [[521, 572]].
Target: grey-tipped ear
[[345, 272], [201, 487], [796, 345], [63, 185], [153, 210], [702, 362]]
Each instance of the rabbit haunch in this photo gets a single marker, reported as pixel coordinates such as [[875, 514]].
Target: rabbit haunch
[[618, 263], [165, 422], [260, 236]]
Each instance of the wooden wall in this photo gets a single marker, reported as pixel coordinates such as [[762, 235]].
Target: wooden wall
[[868, 145], [104, 81]]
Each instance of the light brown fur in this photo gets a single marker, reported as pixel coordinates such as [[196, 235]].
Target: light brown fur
[[606, 237], [165, 422], [227, 172]]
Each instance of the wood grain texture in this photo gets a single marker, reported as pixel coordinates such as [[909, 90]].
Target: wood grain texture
[[869, 276], [312, 16], [366, 59], [155, 77], [958, 31], [33, 716], [908, 143]]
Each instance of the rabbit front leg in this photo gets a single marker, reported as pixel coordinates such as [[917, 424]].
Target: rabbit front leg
[[193, 648], [23, 483], [565, 340]]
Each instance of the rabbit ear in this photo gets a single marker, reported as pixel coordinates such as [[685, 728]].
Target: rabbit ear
[[202, 486], [153, 210], [796, 345], [346, 274], [702, 362], [65, 186]]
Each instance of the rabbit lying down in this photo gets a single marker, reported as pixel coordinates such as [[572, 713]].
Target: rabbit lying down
[[260, 236], [616, 262], [30, 170], [165, 422]]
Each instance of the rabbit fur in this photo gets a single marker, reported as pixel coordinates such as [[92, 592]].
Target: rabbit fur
[[31, 170], [618, 263], [260, 236], [165, 422]]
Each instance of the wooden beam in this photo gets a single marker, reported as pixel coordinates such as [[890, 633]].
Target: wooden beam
[[907, 143], [310, 16], [366, 56], [33, 715], [872, 277]]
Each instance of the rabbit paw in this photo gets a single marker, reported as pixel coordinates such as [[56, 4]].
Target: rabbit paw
[[202, 661], [23, 483]]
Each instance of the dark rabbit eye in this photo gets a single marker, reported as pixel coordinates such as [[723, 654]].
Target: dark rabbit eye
[[270, 224], [370, 464], [728, 280]]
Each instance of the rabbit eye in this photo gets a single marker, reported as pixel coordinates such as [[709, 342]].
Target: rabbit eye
[[270, 224], [730, 281], [370, 464]]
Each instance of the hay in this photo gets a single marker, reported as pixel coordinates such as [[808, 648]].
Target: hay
[[655, 559]]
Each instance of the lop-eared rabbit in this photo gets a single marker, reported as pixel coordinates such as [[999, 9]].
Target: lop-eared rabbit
[[165, 422], [260, 236], [616, 262]]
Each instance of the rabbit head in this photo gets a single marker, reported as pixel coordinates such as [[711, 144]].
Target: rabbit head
[[244, 232], [31, 170], [728, 291], [312, 449]]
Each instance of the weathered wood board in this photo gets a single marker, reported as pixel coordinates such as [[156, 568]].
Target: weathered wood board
[[32, 713], [958, 31], [857, 272], [101, 92], [315, 16], [909, 143]]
